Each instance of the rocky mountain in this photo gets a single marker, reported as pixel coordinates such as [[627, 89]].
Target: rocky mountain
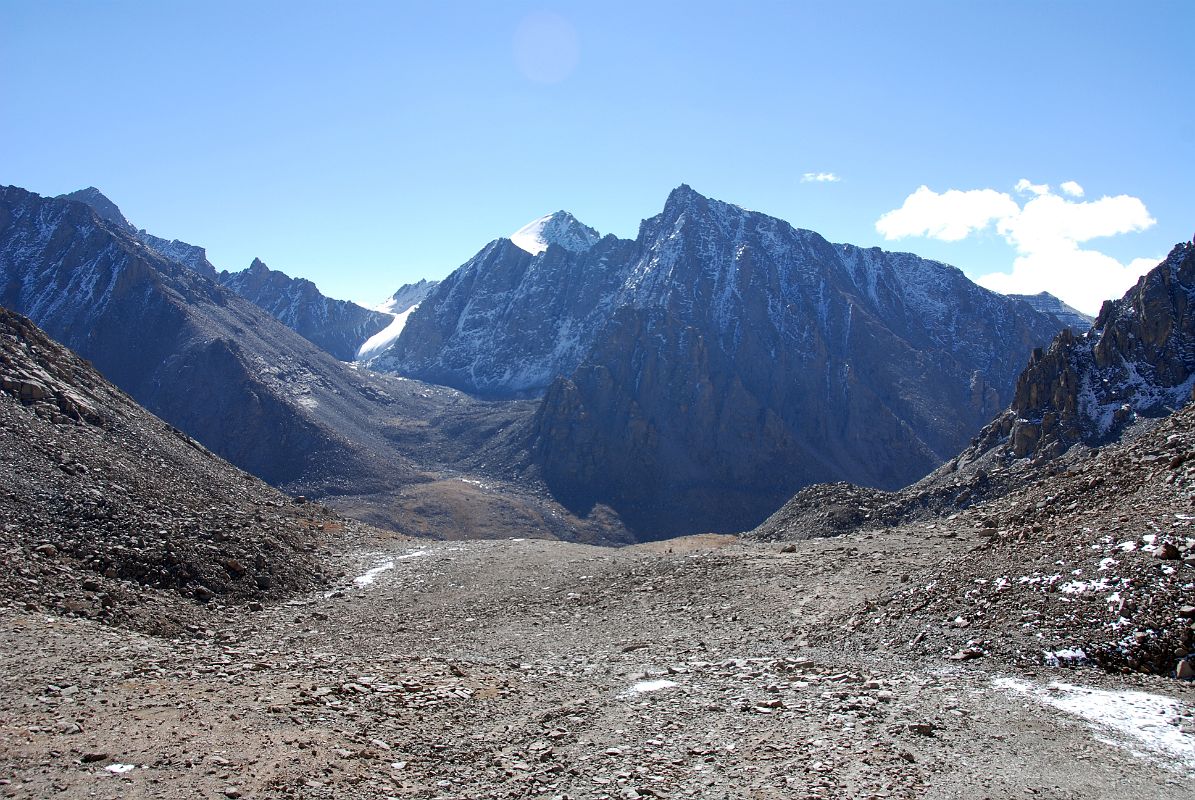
[[336, 326], [190, 350], [401, 454], [101, 500], [1047, 303], [743, 358], [1137, 361], [507, 322], [188, 255]]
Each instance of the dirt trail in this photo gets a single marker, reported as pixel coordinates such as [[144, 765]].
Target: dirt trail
[[703, 667]]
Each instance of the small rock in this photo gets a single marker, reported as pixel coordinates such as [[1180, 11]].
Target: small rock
[[1167, 552]]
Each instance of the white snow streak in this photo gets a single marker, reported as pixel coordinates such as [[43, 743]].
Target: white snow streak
[[384, 338]]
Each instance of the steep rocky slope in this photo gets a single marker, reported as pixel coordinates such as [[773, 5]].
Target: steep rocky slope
[[336, 326], [745, 358], [191, 351], [1134, 366], [101, 501]]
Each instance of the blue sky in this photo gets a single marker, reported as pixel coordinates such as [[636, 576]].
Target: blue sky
[[365, 145]]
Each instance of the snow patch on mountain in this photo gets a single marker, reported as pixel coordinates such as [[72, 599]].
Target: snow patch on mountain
[[561, 228], [380, 341]]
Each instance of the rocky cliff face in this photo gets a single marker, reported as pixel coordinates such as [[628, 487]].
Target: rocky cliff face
[[190, 350], [743, 359], [1137, 360], [1076, 320], [336, 326]]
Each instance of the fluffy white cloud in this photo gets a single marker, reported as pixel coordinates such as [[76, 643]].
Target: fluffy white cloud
[[1072, 188], [1025, 187], [951, 216], [1046, 232], [820, 177]]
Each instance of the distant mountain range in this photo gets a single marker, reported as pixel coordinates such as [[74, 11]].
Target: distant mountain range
[[696, 376], [690, 379], [188, 349], [336, 326]]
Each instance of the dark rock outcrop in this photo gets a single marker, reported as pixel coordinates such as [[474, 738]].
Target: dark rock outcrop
[[1137, 361], [336, 326], [189, 255]]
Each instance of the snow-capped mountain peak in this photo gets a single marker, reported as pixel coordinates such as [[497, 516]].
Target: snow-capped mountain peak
[[561, 228]]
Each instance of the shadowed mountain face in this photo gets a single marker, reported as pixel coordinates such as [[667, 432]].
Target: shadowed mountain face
[[188, 349], [1137, 360], [748, 358], [336, 326], [694, 377]]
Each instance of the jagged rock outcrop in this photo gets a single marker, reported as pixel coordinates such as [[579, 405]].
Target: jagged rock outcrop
[[336, 326], [743, 359], [1137, 360], [1047, 303], [101, 500]]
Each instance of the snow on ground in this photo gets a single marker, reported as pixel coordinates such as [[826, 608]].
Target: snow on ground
[[1147, 725], [375, 344], [643, 687], [371, 575]]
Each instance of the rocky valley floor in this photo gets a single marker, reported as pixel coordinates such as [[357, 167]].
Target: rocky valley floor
[[701, 667]]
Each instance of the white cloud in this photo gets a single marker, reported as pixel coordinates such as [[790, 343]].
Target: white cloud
[[1072, 188], [1046, 232], [1025, 187], [820, 177], [951, 216]]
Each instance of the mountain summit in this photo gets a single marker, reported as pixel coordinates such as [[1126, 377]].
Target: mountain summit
[[561, 228]]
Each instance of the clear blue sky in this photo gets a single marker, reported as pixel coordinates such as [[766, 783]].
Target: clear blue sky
[[364, 145]]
